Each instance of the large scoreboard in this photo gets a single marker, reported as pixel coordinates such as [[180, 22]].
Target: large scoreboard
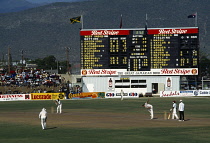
[[140, 49]]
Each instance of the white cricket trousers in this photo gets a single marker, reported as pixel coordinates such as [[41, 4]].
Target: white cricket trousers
[[43, 122], [174, 115], [59, 108], [151, 113]]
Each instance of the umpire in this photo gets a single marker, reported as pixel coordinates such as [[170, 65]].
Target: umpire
[[181, 111]]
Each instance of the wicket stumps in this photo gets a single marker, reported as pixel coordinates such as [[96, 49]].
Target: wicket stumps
[[52, 109], [165, 115]]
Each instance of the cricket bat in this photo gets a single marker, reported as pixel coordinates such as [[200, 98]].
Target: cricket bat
[[169, 115], [56, 103]]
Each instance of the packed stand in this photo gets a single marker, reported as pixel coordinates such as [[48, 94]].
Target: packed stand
[[37, 80]]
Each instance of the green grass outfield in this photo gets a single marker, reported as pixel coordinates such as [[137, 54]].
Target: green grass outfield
[[22, 132]]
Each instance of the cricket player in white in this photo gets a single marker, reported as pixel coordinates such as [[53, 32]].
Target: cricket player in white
[[43, 117], [59, 106], [150, 108], [174, 114], [121, 93]]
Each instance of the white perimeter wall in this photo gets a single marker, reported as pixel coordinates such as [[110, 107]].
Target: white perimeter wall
[[100, 84]]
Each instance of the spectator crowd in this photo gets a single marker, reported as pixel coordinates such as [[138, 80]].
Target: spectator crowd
[[33, 81]]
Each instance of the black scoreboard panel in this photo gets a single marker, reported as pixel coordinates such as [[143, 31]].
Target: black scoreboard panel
[[136, 51], [164, 51], [174, 48], [118, 52], [94, 52], [189, 50]]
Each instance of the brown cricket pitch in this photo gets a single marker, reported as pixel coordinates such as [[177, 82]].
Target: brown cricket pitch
[[78, 118]]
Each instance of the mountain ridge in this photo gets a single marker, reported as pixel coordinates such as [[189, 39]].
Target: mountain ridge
[[7, 6], [46, 30]]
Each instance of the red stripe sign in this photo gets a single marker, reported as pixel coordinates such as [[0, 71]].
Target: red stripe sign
[[105, 32], [172, 31]]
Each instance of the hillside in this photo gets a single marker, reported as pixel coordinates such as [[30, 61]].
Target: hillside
[[15, 5], [52, 1], [7, 6], [46, 30]]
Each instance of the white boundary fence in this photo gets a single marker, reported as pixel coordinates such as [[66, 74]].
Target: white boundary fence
[[185, 93], [14, 97]]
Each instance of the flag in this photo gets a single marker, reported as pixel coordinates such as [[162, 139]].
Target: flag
[[75, 20], [191, 16], [121, 21]]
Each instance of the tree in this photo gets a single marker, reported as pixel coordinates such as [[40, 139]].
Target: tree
[[62, 68], [50, 62], [204, 66], [47, 63]]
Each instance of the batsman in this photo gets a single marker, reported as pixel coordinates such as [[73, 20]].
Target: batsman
[[59, 105], [173, 110]]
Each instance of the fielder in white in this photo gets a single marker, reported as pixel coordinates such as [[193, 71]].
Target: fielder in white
[[174, 108], [59, 106], [43, 118], [121, 93], [150, 108]]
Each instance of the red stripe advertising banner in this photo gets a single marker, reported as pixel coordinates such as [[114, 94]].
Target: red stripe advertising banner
[[172, 31], [105, 32]]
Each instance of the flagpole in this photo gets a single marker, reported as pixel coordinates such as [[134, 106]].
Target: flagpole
[[121, 21], [146, 18], [82, 21], [196, 19], [146, 26], [146, 22]]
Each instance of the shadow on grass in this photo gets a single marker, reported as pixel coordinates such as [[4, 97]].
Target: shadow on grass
[[51, 128]]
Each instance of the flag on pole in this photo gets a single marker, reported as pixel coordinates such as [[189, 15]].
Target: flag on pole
[[121, 21], [75, 20], [195, 16], [192, 16]]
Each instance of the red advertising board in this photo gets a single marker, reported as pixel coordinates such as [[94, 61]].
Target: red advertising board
[[172, 31], [105, 32]]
